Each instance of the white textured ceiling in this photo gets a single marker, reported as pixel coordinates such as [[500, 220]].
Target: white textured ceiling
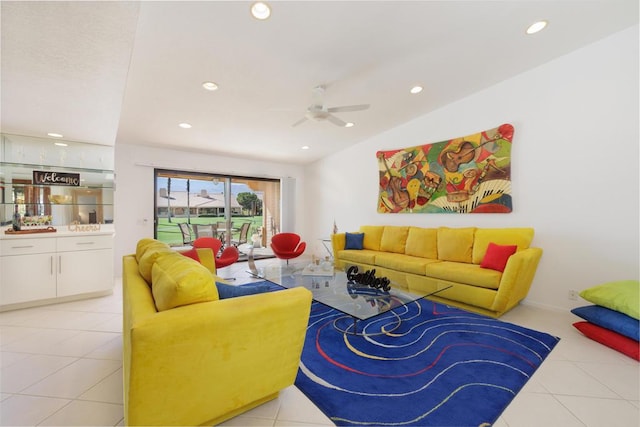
[[129, 72]]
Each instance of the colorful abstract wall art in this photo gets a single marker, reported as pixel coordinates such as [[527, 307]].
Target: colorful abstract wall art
[[471, 174]]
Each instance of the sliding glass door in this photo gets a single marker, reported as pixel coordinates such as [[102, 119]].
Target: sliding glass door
[[240, 211]]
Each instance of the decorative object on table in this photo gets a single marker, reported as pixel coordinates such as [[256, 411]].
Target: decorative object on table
[[368, 278], [335, 227], [471, 174], [287, 246], [441, 367], [614, 319], [31, 230]]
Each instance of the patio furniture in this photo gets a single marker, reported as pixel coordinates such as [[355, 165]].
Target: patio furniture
[[185, 229], [287, 246], [244, 235], [205, 230]]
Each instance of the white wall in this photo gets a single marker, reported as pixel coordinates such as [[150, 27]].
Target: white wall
[[574, 167], [134, 196]]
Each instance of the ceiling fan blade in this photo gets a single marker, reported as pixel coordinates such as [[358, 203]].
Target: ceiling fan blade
[[348, 108], [336, 121], [299, 122]]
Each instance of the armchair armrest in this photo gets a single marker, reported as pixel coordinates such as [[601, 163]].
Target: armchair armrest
[[517, 278], [192, 361]]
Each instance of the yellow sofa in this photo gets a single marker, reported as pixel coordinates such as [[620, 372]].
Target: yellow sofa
[[191, 359], [429, 259]]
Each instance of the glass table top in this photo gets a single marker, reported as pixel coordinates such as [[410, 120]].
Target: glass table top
[[332, 288]]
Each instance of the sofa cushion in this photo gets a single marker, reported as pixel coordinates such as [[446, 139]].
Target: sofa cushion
[[455, 244], [470, 274], [178, 280], [145, 244], [372, 236], [421, 242], [402, 262], [149, 257], [353, 241], [622, 296], [394, 239], [521, 237], [363, 257], [496, 256]]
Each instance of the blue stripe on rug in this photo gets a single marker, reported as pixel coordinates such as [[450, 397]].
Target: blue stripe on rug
[[441, 367]]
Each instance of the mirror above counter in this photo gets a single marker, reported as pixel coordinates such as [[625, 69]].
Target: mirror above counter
[[55, 183]]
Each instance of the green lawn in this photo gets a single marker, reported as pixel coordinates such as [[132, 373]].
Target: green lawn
[[169, 232]]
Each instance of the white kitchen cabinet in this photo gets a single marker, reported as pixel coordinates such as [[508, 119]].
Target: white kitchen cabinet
[[84, 264], [51, 269]]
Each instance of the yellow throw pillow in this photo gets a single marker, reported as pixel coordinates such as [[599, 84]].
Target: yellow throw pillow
[[422, 242], [145, 244], [521, 237], [394, 239], [178, 280], [372, 236], [455, 244], [149, 258]]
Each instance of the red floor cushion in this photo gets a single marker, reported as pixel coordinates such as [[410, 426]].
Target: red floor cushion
[[611, 339]]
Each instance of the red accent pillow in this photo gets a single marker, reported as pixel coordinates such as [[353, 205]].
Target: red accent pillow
[[191, 253], [611, 339], [497, 256]]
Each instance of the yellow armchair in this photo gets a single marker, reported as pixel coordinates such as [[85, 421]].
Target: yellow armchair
[[207, 362]]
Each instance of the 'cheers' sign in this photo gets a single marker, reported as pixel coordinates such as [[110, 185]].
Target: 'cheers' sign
[[56, 178]]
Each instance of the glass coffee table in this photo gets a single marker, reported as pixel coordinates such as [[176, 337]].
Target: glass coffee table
[[332, 288]]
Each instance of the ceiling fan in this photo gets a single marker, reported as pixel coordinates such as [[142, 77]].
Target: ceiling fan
[[319, 112]]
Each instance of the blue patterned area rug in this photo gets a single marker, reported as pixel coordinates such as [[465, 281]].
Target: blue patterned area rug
[[441, 367]]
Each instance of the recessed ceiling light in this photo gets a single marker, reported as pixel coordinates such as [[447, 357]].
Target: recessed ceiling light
[[60, 144], [260, 10], [536, 27], [416, 89], [54, 135], [210, 86], [185, 125], [348, 125], [305, 147]]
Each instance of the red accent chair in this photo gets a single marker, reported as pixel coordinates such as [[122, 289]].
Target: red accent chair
[[287, 246], [228, 256]]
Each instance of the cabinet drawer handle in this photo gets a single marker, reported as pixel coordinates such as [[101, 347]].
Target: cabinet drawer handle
[[22, 247], [85, 243]]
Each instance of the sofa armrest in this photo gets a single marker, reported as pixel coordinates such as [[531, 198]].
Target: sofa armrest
[[338, 242], [194, 361], [517, 278]]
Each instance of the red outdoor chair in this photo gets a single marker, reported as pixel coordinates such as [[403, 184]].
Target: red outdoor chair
[[287, 246], [228, 256]]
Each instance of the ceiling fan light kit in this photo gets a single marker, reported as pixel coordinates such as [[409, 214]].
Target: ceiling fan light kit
[[319, 112]]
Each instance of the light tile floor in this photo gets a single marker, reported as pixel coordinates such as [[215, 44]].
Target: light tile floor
[[62, 365]]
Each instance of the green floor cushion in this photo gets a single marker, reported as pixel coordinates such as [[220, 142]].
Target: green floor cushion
[[621, 295]]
